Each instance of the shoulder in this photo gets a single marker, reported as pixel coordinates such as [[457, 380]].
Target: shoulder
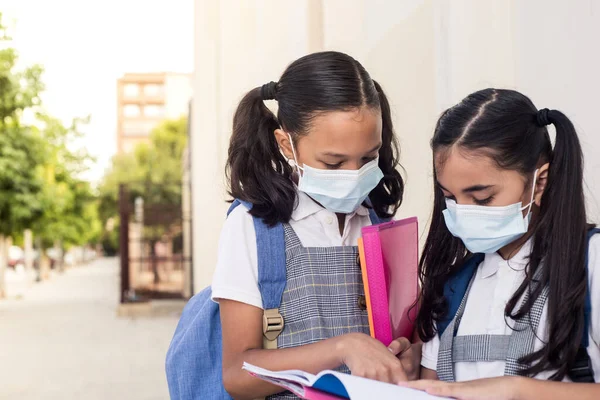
[[236, 272], [594, 285], [594, 256]]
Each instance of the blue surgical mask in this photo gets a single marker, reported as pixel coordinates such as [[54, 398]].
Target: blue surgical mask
[[339, 191], [485, 229]]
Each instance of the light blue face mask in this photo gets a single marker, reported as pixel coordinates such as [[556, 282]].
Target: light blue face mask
[[485, 229], [339, 191]]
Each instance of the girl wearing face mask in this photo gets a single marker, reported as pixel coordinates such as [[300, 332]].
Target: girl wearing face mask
[[511, 268], [324, 167]]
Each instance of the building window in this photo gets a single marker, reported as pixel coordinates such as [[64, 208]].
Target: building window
[[131, 90], [131, 110], [153, 90], [138, 128], [154, 111]]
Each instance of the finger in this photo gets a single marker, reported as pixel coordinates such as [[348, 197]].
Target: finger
[[422, 384], [447, 390], [398, 374], [410, 369], [399, 346]]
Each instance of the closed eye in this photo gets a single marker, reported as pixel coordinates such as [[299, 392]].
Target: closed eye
[[367, 160], [333, 166], [484, 201]]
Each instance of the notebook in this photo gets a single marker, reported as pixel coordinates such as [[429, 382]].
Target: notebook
[[389, 260], [332, 385]]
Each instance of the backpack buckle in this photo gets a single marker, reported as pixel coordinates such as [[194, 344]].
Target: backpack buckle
[[272, 323]]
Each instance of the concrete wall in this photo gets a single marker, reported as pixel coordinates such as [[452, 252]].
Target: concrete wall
[[426, 54]]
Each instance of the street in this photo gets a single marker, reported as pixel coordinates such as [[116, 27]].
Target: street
[[61, 339]]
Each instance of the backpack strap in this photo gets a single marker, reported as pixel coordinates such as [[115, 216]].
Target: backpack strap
[[270, 247], [456, 287], [582, 371], [375, 218]]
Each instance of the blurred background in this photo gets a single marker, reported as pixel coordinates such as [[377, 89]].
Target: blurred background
[[115, 119]]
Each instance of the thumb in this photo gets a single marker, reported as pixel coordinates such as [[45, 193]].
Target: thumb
[[399, 346]]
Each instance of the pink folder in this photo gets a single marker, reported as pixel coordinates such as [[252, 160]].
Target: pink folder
[[391, 257]]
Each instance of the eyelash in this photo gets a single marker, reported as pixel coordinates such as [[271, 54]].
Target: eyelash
[[484, 201], [338, 165], [333, 166]]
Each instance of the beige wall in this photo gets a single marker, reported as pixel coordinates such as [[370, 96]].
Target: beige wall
[[426, 54]]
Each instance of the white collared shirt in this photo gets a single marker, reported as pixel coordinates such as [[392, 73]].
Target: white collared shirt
[[495, 282], [236, 273]]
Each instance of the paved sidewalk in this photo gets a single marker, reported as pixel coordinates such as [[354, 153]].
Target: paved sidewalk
[[62, 340]]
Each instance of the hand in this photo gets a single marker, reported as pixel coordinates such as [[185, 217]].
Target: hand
[[502, 388], [409, 355], [369, 358]]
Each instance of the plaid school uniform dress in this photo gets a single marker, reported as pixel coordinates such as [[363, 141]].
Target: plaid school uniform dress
[[323, 295]]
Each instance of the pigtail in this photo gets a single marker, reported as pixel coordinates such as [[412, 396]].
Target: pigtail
[[560, 244], [387, 196], [256, 170]]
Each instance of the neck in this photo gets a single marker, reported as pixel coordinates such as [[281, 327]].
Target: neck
[[510, 250]]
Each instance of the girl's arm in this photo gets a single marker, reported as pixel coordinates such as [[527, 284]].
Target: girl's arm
[[428, 374], [242, 342], [509, 388]]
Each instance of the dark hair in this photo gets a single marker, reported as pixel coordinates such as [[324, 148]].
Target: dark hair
[[506, 126], [312, 85]]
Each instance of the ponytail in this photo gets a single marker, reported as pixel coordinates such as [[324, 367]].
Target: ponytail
[[256, 170], [387, 196], [560, 245]]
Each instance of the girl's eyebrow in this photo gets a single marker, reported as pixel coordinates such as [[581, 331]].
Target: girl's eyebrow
[[470, 189], [338, 155]]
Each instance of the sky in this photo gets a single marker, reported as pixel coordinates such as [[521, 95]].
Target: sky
[[86, 46]]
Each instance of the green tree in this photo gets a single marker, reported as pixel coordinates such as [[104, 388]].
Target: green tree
[[70, 213], [153, 172], [39, 184], [22, 149]]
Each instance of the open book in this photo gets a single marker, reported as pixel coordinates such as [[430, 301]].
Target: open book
[[332, 385]]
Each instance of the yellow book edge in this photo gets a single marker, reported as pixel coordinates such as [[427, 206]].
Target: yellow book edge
[[363, 267]]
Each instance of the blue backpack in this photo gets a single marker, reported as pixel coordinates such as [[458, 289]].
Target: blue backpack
[[457, 285], [194, 364]]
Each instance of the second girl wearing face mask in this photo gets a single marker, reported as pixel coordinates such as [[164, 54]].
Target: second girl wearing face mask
[[511, 267], [312, 169]]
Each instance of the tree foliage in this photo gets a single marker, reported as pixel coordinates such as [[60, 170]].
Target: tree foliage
[[40, 184]]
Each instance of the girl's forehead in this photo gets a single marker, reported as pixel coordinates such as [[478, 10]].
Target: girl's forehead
[[457, 169], [357, 127]]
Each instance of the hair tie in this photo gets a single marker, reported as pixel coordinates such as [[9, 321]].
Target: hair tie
[[268, 91], [542, 117]]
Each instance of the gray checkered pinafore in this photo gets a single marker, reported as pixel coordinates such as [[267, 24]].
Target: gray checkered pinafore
[[474, 348], [321, 298]]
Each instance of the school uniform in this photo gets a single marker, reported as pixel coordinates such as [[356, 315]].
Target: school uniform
[[486, 344], [324, 282]]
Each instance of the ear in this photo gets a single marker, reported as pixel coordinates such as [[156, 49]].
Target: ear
[[540, 183], [283, 140]]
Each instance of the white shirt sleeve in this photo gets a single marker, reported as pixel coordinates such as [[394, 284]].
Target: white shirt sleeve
[[236, 273], [429, 354], [594, 287]]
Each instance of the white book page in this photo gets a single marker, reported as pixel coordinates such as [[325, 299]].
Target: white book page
[[361, 388], [357, 388], [292, 379]]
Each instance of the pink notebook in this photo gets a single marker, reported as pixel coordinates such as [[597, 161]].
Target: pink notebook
[[391, 256]]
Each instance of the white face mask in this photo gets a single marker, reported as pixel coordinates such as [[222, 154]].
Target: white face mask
[[485, 229], [339, 191]]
